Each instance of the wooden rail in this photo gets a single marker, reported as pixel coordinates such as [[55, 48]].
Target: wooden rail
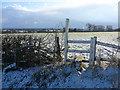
[[73, 41], [108, 45], [73, 60], [79, 51]]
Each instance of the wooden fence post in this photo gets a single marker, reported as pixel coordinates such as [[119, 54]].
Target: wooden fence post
[[57, 53], [93, 50], [66, 40]]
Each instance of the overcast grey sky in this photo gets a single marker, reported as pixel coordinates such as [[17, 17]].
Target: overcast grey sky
[[52, 14]]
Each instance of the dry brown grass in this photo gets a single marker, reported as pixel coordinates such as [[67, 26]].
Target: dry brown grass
[[104, 62]]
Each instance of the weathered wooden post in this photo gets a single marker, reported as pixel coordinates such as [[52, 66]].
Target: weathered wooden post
[[93, 50], [66, 39], [57, 53]]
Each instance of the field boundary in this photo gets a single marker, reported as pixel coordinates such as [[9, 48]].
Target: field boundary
[[93, 42]]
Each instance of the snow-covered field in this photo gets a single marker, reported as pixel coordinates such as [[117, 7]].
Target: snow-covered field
[[108, 37]]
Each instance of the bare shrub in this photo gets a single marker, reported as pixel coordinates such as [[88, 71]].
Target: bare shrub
[[114, 61], [28, 50], [110, 60]]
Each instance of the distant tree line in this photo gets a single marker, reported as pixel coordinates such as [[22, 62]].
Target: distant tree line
[[51, 30]]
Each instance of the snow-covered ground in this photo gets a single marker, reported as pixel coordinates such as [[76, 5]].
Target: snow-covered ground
[[19, 78], [65, 76]]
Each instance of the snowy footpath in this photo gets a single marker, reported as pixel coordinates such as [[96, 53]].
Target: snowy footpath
[[65, 76]]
